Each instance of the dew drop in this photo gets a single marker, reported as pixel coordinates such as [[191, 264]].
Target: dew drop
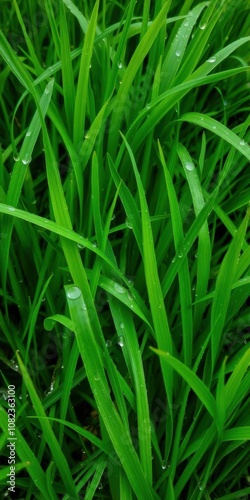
[[74, 293], [128, 224], [186, 24], [201, 486], [94, 244], [119, 65], [16, 157], [26, 159], [165, 465], [189, 166], [108, 343], [214, 127], [119, 288], [202, 26], [122, 325], [242, 143], [120, 341], [211, 59], [11, 209], [28, 133], [129, 295], [180, 255], [178, 53], [80, 246]]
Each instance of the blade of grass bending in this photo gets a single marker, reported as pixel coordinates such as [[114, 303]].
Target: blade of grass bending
[[58, 456], [71, 251], [67, 71], [131, 351], [237, 434], [224, 285], [158, 310], [60, 230], [183, 273], [188, 242], [26, 455], [192, 380], [156, 300], [178, 47], [168, 99], [236, 494], [136, 60], [93, 485], [82, 84], [204, 245], [221, 400], [204, 444], [6, 470], [19, 172], [128, 202], [32, 51], [234, 382], [93, 362], [217, 128]]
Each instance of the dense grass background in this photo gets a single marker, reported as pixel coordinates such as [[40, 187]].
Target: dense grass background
[[125, 263]]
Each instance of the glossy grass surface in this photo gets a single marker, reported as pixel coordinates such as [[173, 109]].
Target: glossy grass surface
[[124, 258]]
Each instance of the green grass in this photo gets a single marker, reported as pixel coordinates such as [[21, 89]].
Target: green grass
[[124, 262]]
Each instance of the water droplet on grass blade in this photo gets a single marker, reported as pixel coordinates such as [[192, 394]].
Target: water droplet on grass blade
[[108, 343], [211, 59], [74, 293], [178, 53], [189, 166], [121, 341], [28, 133], [119, 288], [201, 486], [165, 465], [128, 224], [11, 209], [202, 26], [26, 159], [121, 325], [119, 65], [242, 143], [16, 157]]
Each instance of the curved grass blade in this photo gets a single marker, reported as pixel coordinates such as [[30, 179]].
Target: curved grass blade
[[224, 285], [192, 380], [219, 129], [184, 278], [93, 361], [26, 455], [82, 84], [58, 456]]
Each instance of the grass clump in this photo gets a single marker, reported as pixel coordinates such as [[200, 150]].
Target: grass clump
[[125, 261]]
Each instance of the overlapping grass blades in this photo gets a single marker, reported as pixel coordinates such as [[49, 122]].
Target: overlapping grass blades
[[124, 192]]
